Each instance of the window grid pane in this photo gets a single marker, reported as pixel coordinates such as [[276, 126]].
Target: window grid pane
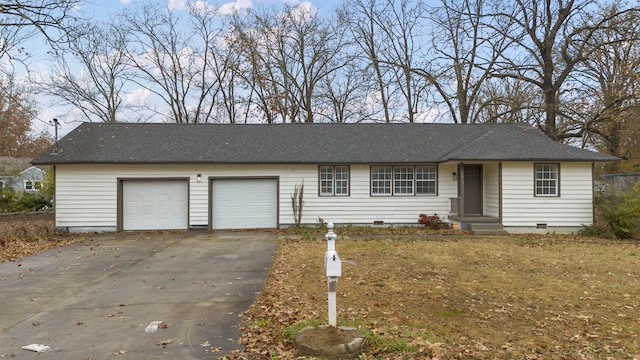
[[403, 180], [381, 180], [426, 180], [342, 180], [546, 179], [326, 180]]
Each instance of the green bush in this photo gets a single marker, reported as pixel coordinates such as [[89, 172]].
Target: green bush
[[617, 213], [31, 201]]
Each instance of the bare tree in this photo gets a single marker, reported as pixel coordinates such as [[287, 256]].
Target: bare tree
[[462, 56], [346, 93], [23, 19], [256, 37], [288, 54], [361, 18], [220, 59], [609, 104], [400, 23], [169, 59], [554, 37], [507, 101], [92, 74]]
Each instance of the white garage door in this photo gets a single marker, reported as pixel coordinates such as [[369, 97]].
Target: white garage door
[[244, 203], [155, 204]]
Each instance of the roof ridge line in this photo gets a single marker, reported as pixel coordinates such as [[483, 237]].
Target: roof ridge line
[[447, 156]]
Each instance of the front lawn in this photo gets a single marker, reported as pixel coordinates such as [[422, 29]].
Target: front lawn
[[449, 297]]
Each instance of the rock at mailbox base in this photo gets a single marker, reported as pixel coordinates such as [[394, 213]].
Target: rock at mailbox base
[[330, 342]]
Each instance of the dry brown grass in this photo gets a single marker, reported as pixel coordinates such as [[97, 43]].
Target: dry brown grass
[[19, 238], [527, 297]]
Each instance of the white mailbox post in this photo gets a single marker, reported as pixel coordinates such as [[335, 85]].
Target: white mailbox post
[[333, 266]]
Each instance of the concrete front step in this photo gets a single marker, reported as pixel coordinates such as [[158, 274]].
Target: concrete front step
[[487, 229]]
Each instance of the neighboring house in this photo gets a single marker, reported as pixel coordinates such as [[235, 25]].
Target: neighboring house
[[125, 176], [19, 174], [621, 181]]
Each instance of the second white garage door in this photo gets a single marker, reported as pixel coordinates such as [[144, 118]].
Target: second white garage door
[[155, 204], [244, 203]]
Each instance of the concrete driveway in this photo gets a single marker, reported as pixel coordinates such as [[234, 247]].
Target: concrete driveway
[[94, 299]]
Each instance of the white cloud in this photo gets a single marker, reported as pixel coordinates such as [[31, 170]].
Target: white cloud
[[125, 2], [138, 96], [238, 5], [177, 4], [203, 6]]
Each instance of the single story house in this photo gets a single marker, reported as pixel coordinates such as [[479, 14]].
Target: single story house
[[18, 173], [124, 176]]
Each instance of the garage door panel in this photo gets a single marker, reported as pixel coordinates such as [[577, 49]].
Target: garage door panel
[[244, 203], [155, 205]]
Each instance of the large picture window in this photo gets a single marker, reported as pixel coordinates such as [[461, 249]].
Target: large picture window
[[547, 179], [334, 180], [403, 180]]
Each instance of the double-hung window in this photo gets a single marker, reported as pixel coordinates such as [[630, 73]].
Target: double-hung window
[[426, 180], [32, 185], [381, 180], [547, 179], [334, 180], [403, 180]]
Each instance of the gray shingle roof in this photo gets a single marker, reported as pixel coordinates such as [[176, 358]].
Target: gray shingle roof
[[130, 143]]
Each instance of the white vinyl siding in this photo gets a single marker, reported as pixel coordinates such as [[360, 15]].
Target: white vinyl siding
[[522, 208], [86, 195], [491, 191]]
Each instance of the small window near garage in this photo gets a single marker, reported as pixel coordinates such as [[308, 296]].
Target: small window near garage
[[334, 180], [32, 185], [403, 180], [547, 179]]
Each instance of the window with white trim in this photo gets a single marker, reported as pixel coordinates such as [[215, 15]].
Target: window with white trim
[[32, 185], [547, 179], [334, 180], [426, 180], [403, 180]]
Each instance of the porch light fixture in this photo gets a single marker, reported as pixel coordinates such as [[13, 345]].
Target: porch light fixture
[[199, 177], [454, 176]]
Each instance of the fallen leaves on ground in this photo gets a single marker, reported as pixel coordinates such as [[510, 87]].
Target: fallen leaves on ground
[[447, 297], [19, 238]]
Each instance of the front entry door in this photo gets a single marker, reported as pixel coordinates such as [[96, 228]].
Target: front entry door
[[472, 190]]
